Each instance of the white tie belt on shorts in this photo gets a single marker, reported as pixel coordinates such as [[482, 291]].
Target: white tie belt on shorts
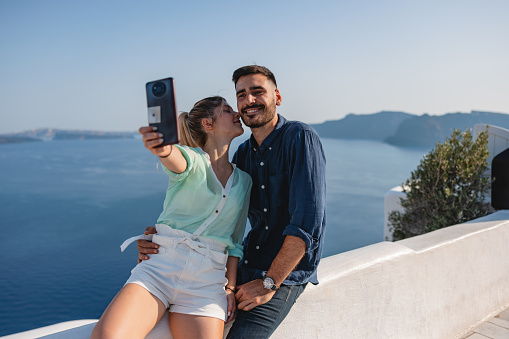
[[169, 237]]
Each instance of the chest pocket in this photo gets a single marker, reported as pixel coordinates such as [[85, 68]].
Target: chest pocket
[[278, 190]]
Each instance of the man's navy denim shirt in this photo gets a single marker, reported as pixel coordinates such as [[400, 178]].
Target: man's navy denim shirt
[[287, 198]]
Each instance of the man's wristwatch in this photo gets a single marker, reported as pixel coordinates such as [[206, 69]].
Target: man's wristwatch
[[268, 283]]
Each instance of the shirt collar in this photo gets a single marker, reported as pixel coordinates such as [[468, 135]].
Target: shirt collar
[[267, 142], [206, 155]]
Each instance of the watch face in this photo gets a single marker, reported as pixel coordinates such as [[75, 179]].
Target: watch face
[[268, 283]]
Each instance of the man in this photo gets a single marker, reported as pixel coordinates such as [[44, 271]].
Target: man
[[287, 210]]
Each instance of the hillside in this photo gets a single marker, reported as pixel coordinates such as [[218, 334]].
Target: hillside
[[426, 130], [377, 126], [406, 130]]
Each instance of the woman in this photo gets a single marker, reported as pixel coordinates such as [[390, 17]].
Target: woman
[[200, 234]]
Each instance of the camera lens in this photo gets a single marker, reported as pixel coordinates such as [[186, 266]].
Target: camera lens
[[159, 89]]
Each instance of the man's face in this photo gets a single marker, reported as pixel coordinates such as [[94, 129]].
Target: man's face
[[257, 98]]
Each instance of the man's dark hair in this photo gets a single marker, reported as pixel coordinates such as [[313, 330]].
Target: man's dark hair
[[253, 69]]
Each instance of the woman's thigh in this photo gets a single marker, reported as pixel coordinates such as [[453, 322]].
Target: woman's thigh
[[194, 326], [131, 314]]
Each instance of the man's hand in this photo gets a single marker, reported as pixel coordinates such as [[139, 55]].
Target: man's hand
[[147, 247], [252, 294]]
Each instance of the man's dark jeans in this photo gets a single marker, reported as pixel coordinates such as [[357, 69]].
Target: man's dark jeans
[[263, 320]]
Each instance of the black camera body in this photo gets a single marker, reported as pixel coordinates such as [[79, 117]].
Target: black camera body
[[500, 181], [162, 109]]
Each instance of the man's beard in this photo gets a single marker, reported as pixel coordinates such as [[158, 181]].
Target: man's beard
[[265, 116]]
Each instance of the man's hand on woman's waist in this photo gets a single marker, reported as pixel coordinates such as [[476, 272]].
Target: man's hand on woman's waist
[[147, 247]]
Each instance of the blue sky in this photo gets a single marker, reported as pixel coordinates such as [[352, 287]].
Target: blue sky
[[84, 64]]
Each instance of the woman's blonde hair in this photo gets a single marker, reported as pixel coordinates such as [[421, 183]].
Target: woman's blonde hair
[[190, 125]]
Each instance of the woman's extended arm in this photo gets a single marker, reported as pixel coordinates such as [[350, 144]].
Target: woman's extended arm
[[170, 156]]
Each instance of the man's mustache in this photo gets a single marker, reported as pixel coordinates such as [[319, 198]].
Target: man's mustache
[[252, 106]]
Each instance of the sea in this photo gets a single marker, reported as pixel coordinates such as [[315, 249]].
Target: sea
[[66, 206]]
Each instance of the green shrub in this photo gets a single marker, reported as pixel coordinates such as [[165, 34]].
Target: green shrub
[[447, 188]]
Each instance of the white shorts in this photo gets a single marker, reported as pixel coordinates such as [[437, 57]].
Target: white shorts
[[187, 275]]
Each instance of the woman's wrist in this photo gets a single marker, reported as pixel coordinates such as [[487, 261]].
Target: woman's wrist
[[166, 156], [230, 288]]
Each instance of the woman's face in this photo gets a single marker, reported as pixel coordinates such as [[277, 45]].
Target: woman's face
[[227, 121]]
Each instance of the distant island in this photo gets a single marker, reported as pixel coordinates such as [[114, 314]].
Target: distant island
[[404, 129], [51, 134]]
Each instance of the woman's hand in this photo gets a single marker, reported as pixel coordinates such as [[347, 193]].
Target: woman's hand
[[152, 139], [172, 160], [231, 277], [232, 303]]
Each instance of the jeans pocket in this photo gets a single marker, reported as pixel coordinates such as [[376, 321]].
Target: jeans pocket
[[289, 292]]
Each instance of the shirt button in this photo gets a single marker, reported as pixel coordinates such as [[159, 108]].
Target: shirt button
[[217, 211], [245, 262], [263, 187], [266, 227], [265, 210], [270, 148], [224, 196], [257, 247], [261, 164]]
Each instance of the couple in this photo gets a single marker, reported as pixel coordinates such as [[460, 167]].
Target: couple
[[198, 244]]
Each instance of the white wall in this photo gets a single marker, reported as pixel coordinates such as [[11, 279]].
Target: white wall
[[498, 139], [437, 285]]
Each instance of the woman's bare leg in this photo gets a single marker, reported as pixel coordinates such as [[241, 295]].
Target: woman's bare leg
[[131, 314], [185, 326]]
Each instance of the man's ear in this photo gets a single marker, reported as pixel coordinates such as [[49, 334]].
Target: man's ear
[[279, 99], [207, 123]]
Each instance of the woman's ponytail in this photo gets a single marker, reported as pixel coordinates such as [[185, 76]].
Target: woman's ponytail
[[190, 125], [186, 137]]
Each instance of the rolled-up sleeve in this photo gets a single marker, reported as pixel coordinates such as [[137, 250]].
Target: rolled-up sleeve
[[307, 189], [238, 233], [189, 157]]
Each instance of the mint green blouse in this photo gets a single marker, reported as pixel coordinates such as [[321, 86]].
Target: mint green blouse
[[196, 196]]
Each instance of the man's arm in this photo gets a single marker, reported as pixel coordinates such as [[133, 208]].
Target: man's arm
[[253, 293], [287, 259]]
